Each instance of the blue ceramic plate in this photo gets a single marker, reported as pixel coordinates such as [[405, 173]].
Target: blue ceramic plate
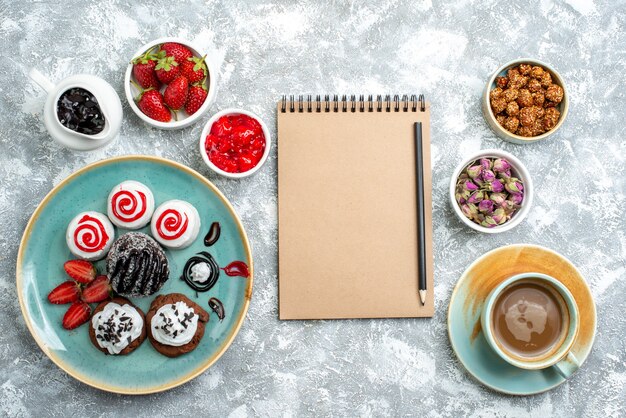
[[43, 251], [467, 300]]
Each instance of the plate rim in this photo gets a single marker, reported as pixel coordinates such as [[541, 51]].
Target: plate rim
[[103, 386], [454, 293]]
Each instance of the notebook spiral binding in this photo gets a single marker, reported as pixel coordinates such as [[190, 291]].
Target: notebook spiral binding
[[353, 104]]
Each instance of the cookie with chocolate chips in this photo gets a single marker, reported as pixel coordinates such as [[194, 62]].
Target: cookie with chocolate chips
[[175, 324], [117, 327]]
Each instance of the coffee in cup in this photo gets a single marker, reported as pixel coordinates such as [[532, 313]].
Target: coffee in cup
[[531, 321]]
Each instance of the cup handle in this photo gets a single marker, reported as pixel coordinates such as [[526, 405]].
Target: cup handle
[[41, 80], [567, 366]]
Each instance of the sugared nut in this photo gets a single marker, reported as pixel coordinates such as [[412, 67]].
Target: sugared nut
[[537, 128], [510, 94], [536, 72], [524, 131], [524, 98], [539, 98], [501, 82], [528, 116], [501, 119], [533, 85], [513, 72], [517, 81], [546, 79], [524, 69], [539, 111], [554, 93], [512, 109], [498, 105], [511, 124], [495, 93], [551, 118]]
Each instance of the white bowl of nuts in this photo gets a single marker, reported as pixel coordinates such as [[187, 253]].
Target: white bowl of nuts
[[525, 101]]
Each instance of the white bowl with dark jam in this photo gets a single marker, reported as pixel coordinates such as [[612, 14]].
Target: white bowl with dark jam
[[82, 112]]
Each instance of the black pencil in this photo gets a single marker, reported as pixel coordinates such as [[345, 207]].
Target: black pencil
[[421, 232]]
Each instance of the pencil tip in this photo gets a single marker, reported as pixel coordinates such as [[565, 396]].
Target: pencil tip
[[423, 296]]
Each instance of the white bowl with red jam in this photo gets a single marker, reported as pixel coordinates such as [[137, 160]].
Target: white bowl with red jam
[[235, 143]]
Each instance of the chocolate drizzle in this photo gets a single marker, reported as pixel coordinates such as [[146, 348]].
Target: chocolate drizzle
[[136, 265], [216, 306], [213, 235], [201, 257]]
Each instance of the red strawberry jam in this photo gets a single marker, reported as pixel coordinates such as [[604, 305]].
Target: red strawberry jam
[[236, 143]]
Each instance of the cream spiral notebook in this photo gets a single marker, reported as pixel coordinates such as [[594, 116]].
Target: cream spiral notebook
[[347, 225]]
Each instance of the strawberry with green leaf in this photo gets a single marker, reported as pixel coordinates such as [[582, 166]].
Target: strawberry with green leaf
[[151, 103], [144, 72], [167, 69], [194, 69]]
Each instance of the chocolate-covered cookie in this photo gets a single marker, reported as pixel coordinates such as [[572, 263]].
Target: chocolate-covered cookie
[[175, 324], [117, 327], [136, 265]]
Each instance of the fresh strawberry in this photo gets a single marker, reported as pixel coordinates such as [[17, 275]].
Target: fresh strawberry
[[176, 93], [143, 70], [66, 292], [80, 270], [151, 103], [194, 69], [77, 314], [167, 69], [97, 291], [195, 99], [179, 52]]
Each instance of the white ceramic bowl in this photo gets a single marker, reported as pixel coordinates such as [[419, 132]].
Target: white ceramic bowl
[[207, 129], [184, 120], [108, 101], [517, 170], [563, 107]]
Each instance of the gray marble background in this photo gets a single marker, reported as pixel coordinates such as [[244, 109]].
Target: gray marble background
[[264, 49]]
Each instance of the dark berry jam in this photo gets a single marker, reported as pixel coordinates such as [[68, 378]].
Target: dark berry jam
[[78, 110], [236, 143]]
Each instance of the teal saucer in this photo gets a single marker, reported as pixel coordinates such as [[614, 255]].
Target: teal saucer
[[464, 327], [43, 251]]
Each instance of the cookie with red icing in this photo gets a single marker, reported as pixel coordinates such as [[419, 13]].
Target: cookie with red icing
[[175, 224], [130, 205], [89, 235]]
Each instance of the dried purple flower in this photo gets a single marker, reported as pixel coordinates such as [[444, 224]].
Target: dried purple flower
[[499, 216], [504, 175], [474, 171], [486, 163], [501, 165], [487, 175], [476, 197], [469, 185], [514, 185], [498, 198], [516, 198], [469, 210], [486, 206], [495, 186]]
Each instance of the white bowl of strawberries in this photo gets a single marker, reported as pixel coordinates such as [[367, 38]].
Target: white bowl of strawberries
[[169, 83]]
